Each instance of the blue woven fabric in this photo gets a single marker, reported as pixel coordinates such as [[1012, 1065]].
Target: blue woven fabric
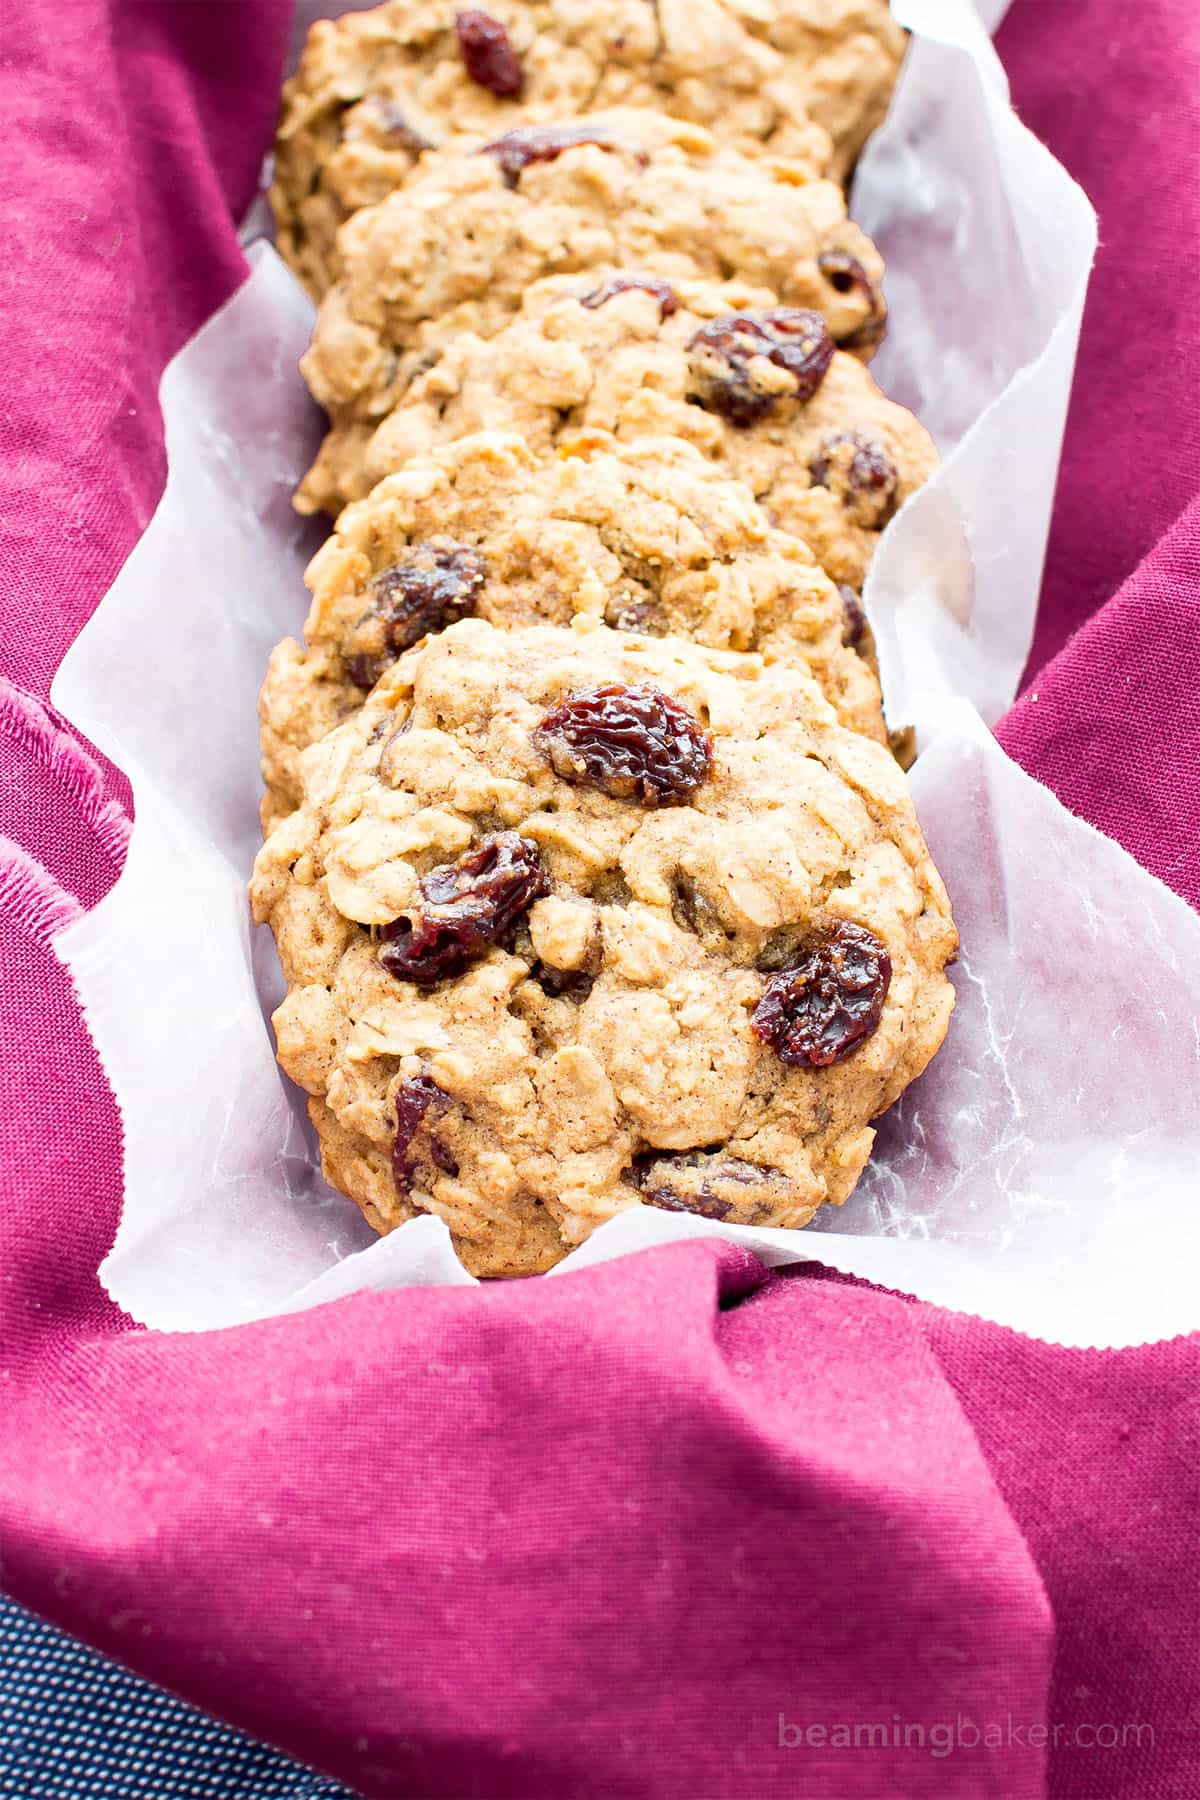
[[76, 1727]]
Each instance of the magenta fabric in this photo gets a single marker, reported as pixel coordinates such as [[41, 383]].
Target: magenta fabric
[[655, 1528]]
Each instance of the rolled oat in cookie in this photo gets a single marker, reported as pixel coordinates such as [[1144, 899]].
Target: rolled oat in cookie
[[649, 537], [757, 387], [572, 919], [375, 90], [459, 246]]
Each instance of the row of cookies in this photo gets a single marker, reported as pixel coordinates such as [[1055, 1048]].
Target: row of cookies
[[420, 344], [591, 874]]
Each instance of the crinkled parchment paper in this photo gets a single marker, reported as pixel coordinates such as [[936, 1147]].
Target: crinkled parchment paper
[[1043, 1171]]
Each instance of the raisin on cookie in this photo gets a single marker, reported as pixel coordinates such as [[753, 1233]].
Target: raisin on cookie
[[572, 920], [457, 248], [758, 388], [649, 537], [375, 90]]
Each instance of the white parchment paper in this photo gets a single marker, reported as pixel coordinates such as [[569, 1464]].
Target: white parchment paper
[[1042, 1173]]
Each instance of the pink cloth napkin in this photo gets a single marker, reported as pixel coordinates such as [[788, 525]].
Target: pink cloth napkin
[[671, 1526]]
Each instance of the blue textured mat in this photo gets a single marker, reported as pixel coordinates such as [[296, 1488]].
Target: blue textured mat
[[75, 1727]]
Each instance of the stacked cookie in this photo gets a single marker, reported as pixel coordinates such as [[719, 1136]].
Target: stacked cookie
[[376, 91], [592, 874]]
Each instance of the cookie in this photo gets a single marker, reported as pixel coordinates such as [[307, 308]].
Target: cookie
[[572, 919], [457, 248], [374, 90], [649, 537], [758, 389]]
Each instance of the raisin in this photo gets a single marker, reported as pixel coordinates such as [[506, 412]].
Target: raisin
[[427, 593], [466, 906], [664, 293], [846, 275], [643, 617], [488, 55], [861, 473], [563, 984], [632, 743], [432, 588], [527, 144], [721, 355], [364, 671], [824, 1006], [415, 1099], [854, 619], [700, 1181], [386, 119]]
